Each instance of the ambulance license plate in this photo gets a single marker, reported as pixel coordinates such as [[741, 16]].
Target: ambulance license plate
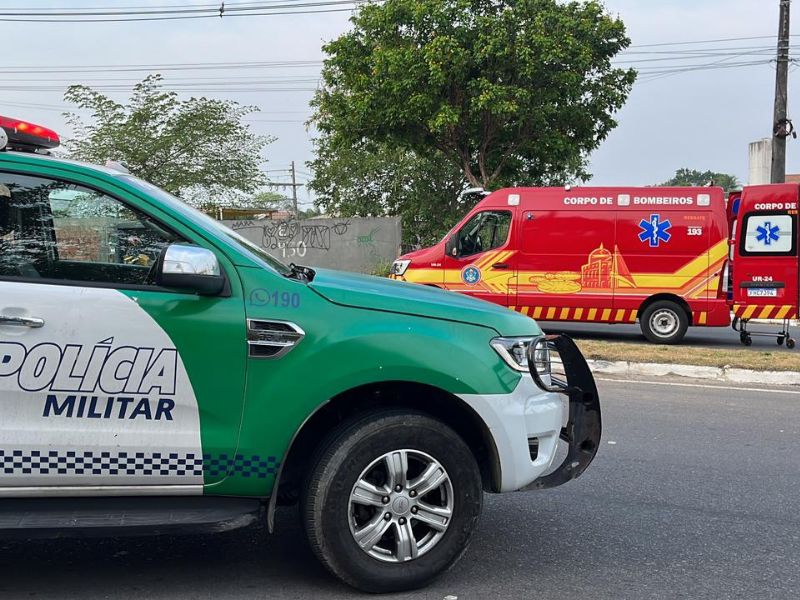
[[762, 292]]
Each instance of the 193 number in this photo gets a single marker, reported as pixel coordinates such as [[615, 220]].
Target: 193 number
[[695, 231]]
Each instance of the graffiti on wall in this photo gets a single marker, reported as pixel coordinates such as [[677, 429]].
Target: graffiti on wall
[[291, 238], [354, 244]]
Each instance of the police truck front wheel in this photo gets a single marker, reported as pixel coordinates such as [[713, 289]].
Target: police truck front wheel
[[391, 501], [664, 322]]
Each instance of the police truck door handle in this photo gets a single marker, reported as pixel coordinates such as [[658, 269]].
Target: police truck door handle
[[22, 321], [500, 266]]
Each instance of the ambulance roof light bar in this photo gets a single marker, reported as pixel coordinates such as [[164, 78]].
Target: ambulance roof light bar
[[25, 136]]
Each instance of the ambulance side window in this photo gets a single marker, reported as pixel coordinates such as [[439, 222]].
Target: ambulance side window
[[485, 231], [55, 230], [768, 234]]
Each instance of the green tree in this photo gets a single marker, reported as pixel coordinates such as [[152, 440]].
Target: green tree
[[198, 149], [507, 92], [693, 177], [376, 179], [271, 201], [276, 201]]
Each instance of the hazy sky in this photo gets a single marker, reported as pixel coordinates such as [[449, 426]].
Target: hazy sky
[[700, 119]]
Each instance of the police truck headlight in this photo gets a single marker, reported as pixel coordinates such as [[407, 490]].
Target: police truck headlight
[[514, 351], [399, 267]]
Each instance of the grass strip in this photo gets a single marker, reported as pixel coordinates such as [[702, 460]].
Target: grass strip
[[741, 358]]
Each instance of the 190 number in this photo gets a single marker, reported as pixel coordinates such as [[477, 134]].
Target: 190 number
[[262, 297]]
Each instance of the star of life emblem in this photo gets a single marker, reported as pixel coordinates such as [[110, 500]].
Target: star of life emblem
[[768, 233], [654, 231]]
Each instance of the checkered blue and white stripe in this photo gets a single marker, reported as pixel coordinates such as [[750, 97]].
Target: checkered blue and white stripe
[[148, 464]]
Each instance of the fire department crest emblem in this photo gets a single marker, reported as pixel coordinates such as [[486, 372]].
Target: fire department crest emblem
[[471, 275]]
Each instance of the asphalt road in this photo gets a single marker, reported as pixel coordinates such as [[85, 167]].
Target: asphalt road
[[695, 336], [694, 494]]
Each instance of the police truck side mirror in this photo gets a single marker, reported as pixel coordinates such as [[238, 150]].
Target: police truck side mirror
[[190, 268], [450, 247]]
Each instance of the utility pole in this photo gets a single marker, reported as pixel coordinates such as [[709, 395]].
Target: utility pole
[[782, 127], [294, 186]]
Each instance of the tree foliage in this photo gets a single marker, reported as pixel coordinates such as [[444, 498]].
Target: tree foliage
[[198, 148], [507, 92], [377, 179], [270, 200], [693, 177]]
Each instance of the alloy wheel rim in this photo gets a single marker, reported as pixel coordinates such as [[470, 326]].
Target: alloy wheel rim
[[401, 506]]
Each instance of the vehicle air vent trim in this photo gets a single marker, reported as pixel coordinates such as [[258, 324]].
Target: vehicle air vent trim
[[271, 339]]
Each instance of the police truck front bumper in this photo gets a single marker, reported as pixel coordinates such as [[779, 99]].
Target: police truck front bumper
[[527, 425]]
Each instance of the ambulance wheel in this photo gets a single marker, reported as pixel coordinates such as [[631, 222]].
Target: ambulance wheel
[[664, 322], [790, 343], [391, 501]]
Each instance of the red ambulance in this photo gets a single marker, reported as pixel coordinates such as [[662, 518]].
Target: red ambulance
[[617, 255]]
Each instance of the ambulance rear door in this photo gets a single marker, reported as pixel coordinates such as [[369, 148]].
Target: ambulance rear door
[[765, 273]]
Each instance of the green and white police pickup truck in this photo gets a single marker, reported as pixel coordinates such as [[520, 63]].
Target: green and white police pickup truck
[[159, 373]]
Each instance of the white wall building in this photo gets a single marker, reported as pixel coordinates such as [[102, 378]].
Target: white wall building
[[760, 162]]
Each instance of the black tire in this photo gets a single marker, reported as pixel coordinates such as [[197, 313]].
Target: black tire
[[664, 322], [340, 462], [790, 344]]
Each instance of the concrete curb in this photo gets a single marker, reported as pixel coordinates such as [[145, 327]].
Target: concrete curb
[[723, 374]]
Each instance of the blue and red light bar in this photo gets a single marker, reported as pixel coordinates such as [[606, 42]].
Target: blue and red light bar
[[23, 135]]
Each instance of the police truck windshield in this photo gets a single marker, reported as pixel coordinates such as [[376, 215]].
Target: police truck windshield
[[201, 218]]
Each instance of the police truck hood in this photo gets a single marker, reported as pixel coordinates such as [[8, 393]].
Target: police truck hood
[[377, 293]]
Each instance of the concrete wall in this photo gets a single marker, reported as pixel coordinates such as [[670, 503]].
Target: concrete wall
[[760, 162], [354, 244]]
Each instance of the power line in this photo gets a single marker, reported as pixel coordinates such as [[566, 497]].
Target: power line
[[178, 80], [703, 66], [229, 65], [689, 57], [214, 7], [702, 50], [66, 69], [654, 75], [271, 13], [185, 14], [134, 8], [712, 41], [202, 90]]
